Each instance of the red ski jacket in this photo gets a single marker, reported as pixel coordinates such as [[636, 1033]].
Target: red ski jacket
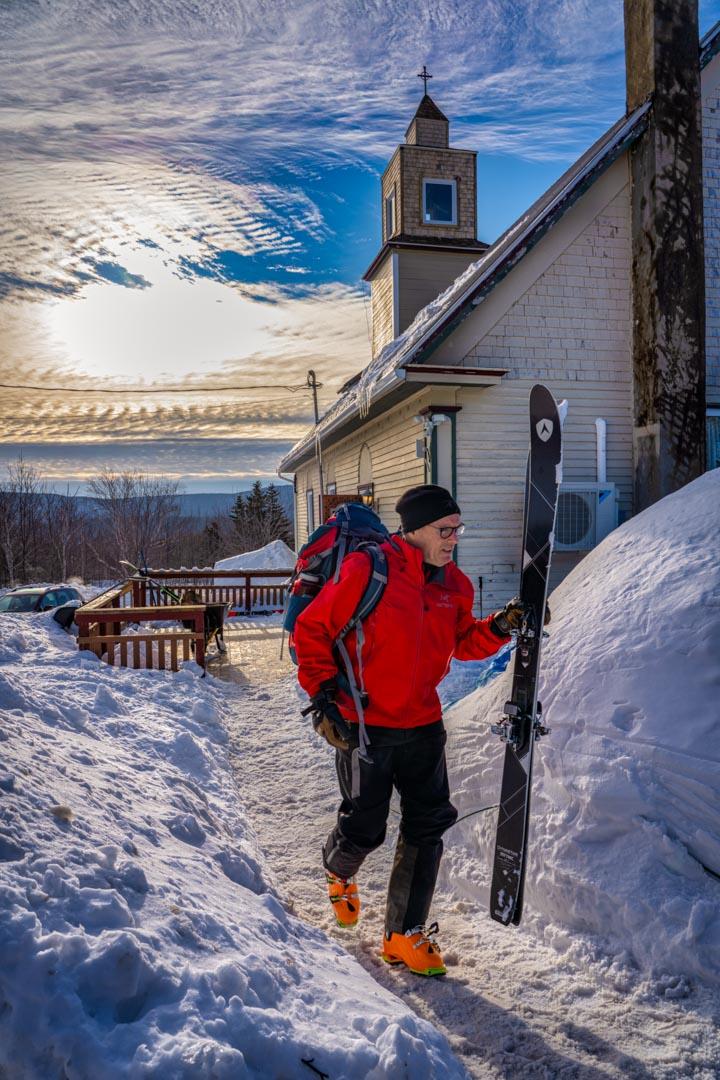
[[410, 637]]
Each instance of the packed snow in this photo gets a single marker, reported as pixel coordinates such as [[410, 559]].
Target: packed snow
[[582, 988], [140, 932], [163, 909], [626, 789], [273, 556]]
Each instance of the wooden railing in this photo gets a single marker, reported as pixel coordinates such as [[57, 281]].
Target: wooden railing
[[103, 622], [245, 595]]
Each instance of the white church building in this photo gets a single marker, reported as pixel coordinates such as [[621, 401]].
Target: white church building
[[607, 290]]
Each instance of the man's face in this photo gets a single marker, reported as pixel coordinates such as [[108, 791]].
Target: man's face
[[436, 550]]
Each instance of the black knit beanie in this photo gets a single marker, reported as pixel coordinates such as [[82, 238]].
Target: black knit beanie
[[422, 504]]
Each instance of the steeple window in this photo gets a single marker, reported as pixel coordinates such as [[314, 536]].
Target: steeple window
[[390, 222], [439, 202]]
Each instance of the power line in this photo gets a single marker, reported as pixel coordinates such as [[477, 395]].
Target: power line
[[144, 390]]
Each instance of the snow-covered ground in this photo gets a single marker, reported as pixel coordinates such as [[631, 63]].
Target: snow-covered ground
[[273, 556], [162, 908], [615, 970], [140, 931], [626, 842]]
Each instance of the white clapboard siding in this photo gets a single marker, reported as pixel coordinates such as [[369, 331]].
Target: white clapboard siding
[[423, 275], [306, 478], [395, 466], [382, 306], [571, 330]]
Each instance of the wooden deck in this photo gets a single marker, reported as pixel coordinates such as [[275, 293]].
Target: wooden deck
[[120, 625]]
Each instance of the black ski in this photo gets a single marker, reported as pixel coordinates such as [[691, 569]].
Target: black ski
[[522, 722]]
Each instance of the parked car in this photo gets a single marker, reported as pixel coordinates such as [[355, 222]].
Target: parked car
[[38, 598]]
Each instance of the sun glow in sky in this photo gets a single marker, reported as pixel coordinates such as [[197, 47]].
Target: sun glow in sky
[[191, 196], [174, 329]]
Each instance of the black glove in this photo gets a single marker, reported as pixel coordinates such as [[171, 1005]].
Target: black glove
[[327, 719], [508, 620]]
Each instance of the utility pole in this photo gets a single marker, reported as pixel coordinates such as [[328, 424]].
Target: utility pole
[[668, 262], [313, 384]]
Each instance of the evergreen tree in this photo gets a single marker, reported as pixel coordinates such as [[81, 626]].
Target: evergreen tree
[[259, 518], [278, 522]]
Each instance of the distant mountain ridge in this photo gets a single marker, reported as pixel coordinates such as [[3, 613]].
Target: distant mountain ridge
[[202, 504]]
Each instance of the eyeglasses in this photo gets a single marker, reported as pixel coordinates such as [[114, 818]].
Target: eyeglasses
[[446, 531]]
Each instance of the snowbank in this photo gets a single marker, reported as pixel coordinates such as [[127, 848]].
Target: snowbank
[[139, 931], [274, 556], [626, 790]]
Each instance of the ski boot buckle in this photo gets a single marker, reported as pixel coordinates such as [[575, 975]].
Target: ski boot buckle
[[509, 728]]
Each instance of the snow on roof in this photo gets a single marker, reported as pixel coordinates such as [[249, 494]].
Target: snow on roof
[[626, 788], [274, 556], [710, 45]]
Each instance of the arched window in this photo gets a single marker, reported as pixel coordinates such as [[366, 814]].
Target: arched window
[[365, 466], [365, 480], [330, 482]]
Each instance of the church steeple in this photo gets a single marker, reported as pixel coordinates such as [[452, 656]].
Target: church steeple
[[429, 126], [429, 222]]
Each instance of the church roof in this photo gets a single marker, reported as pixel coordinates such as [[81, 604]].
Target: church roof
[[428, 110]]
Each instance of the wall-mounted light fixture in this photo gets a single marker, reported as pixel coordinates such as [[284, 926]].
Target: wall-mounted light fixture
[[430, 422], [367, 494]]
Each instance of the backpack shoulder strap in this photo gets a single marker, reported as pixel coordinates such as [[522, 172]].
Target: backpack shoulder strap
[[369, 600], [373, 590]]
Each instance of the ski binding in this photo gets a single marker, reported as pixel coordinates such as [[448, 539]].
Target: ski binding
[[514, 720]]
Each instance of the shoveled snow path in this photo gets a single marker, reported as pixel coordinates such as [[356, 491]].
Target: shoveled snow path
[[511, 1006]]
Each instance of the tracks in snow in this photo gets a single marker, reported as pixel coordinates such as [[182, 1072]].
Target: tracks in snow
[[511, 1007]]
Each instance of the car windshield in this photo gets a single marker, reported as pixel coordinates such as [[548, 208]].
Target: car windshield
[[19, 601]]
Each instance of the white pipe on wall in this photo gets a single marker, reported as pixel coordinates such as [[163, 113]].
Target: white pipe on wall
[[601, 432]]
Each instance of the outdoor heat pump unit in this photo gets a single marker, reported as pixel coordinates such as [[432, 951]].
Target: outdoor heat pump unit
[[586, 513]]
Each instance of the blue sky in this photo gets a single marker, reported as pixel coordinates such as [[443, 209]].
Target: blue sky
[[191, 195]]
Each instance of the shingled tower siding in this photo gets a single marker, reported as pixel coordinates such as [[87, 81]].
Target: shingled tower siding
[[662, 57], [420, 258]]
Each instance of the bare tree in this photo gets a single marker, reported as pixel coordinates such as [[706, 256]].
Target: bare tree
[[21, 539], [138, 514], [63, 521]]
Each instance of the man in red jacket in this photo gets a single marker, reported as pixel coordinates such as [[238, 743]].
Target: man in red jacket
[[423, 620]]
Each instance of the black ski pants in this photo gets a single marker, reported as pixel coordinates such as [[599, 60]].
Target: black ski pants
[[412, 760]]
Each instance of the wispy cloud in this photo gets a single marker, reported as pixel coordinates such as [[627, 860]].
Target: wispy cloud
[[132, 337], [168, 121]]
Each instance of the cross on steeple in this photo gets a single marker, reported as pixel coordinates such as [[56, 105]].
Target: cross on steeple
[[424, 75]]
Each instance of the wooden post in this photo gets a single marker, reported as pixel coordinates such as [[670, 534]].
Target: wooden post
[[248, 596], [200, 638], [668, 271]]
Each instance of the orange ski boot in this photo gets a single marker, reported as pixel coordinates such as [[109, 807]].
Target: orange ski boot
[[417, 949], [344, 898]]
